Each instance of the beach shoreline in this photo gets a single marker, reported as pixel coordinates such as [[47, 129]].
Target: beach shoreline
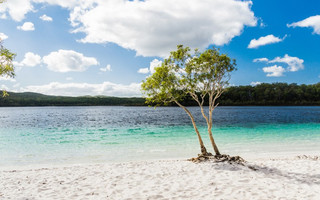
[[274, 178]]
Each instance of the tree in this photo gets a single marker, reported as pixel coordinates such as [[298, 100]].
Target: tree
[[199, 75], [6, 65]]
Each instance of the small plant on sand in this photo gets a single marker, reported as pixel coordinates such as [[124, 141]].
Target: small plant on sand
[[203, 76]]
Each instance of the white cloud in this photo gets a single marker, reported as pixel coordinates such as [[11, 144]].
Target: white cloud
[[3, 36], [255, 83], [143, 71], [155, 27], [60, 61], [4, 78], [68, 60], [81, 89], [27, 26], [261, 60], [152, 27], [269, 39], [30, 60], [106, 69], [46, 18], [312, 22], [154, 63], [17, 9], [294, 63], [274, 71]]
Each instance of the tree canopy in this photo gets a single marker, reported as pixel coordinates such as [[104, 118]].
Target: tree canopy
[[6, 66]]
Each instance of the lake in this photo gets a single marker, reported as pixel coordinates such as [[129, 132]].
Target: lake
[[67, 135]]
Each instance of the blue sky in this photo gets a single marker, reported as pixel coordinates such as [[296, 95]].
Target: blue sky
[[107, 47]]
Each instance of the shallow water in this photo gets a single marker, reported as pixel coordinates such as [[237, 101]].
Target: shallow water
[[59, 135]]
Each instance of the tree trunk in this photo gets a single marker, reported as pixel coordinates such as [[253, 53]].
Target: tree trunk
[[202, 147], [215, 147]]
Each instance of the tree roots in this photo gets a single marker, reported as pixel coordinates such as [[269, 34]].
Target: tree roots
[[218, 158]]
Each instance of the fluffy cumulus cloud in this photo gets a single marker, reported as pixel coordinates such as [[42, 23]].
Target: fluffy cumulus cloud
[[27, 26], [312, 22], [30, 60], [17, 9], [155, 27], [81, 89], [293, 64], [262, 41], [3, 36], [274, 71], [68, 61], [46, 18], [154, 63], [106, 69]]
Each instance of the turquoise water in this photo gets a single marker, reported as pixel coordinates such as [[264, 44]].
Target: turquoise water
[[64, 135]]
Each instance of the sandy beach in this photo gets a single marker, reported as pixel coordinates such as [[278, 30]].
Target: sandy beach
[[286, 178]]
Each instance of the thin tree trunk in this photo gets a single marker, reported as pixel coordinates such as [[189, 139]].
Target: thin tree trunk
[[215, 147], [213, 143], [202, 147], [209, 124]]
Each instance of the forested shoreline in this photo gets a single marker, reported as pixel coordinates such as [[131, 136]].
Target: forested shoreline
[[265, 94], [272, 94]]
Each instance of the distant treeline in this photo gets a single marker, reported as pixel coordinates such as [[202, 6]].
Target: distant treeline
[[35, 99], [265, 94], [272, 94]]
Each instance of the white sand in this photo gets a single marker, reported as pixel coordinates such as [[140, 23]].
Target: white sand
[[172, 179]]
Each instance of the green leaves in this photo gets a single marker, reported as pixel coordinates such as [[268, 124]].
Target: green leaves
[[161, 86], [6, 65], [183, 73]]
